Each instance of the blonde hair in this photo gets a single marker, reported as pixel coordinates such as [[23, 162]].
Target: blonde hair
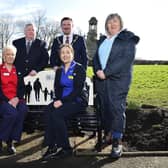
[[68, 46]]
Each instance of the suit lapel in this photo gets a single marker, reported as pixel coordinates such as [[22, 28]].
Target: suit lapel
[[33, 45], [23, 43]]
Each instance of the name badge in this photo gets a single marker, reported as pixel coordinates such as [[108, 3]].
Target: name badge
[[70, 77], [6, 74]]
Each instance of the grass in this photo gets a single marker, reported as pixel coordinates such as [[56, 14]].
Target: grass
[[149, 85]]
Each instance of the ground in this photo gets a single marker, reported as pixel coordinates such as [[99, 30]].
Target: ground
[[145, 146], [29, 153]]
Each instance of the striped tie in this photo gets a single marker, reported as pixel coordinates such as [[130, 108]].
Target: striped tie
[[28, 47], [67, 40]]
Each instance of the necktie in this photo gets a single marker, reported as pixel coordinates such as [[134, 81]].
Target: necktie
[[28, 47], [67, 40]]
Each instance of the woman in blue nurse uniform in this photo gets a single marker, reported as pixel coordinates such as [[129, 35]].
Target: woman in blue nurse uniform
[[68, 85]]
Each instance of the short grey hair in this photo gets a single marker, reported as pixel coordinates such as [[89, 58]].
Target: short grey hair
[[9, 47], [29, 24], [112, 16]]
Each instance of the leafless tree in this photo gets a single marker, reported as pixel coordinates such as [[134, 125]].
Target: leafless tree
[[46, 29], [49, 31], [39, 19], [78, 30], [7, 27]]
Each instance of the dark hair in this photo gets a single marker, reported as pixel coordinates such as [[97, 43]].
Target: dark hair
[[112, 16], [66, 18]]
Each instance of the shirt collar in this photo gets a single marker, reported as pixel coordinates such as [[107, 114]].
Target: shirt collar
[[73, 63], [29, 41], [70, 38]]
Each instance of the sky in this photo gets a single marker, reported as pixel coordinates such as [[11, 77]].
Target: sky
[[146, 18]]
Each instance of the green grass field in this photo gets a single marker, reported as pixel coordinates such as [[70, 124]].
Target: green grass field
[[149, 85]]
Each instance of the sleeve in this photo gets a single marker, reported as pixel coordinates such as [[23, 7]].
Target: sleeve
[[54, 56], [43, 62], [57, 87], [2, 96], [84, 53], [21, 88], [96, 63]]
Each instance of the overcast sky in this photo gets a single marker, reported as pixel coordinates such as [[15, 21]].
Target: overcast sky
[[146, 18]]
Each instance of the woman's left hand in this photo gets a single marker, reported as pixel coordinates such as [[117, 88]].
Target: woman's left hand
[[14, 101], [57, 103], [100, 74], [33, 73]]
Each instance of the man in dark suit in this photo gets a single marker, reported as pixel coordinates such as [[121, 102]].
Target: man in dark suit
[[32, 55], [77, 42]]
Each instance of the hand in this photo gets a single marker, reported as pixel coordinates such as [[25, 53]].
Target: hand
[[57, 103], [100, 74], [55, 68], [33, 73], [14, 101]]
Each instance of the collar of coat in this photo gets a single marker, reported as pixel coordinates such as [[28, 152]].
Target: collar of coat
[[124, 35]]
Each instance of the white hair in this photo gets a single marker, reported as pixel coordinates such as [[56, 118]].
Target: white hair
[[9, 47]]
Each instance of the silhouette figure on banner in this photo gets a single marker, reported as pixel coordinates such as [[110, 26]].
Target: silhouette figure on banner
[[51, 95], [46, 92], [37, 87], [28, 90]]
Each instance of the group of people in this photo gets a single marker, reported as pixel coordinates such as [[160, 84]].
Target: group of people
[[112, 66], [37, 87]]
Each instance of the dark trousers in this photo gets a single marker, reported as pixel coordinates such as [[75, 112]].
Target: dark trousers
[[11, 122], [113, 104], [56, 129]]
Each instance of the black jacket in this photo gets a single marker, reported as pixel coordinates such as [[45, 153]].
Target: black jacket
[[121, 56], [79, 76], [79, 46], [37, 59], [118, 70]]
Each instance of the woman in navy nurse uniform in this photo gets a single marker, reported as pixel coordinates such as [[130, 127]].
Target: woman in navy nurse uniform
[[68, 85], [12, 105]]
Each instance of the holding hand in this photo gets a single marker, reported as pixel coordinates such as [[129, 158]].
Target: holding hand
[[100, 74], [57, 103], [14, 101], [32, 73]]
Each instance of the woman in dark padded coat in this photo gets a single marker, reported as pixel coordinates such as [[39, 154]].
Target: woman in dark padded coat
[[113, 68]]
